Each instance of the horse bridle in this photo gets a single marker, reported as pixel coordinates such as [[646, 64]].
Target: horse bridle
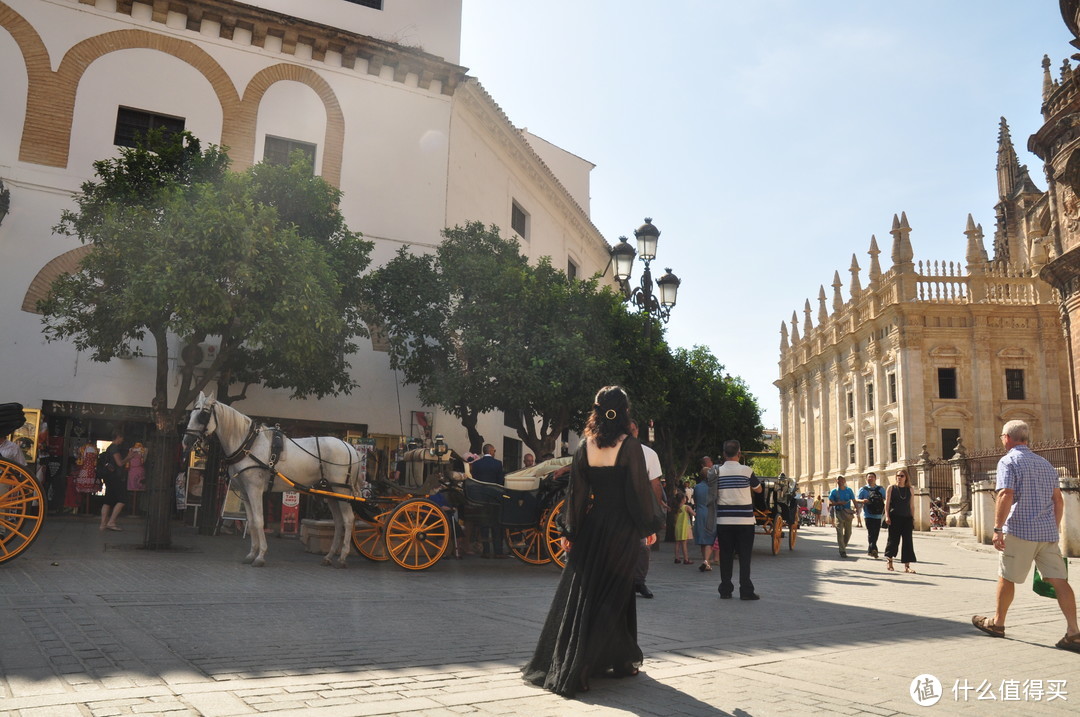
[[206, 413]]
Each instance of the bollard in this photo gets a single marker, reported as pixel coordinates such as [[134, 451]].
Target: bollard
[[983, 508], [1069, 539]]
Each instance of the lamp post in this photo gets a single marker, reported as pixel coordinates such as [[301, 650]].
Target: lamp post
[[657, 304]]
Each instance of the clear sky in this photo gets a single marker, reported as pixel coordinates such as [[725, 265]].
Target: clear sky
[[769, 140]]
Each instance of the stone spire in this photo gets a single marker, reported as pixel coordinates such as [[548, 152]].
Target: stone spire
[[822, 312], [901, 248], [1048, 80], [807, 326], [783, 336], [875, 267], [856, 287], [976, 252], [794, 328], [1008, 164], [837, 300]]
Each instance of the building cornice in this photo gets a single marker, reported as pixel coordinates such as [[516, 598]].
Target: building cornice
[[323, 40]]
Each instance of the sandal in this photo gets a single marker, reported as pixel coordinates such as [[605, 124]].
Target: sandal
[[1069, 642], [626, 670], [908, 569], [889, 566], [986, 625]]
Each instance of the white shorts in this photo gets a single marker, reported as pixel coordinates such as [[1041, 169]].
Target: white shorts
[[1014, 562]]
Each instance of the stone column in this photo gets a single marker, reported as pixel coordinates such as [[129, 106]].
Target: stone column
[[1069, 539], [983, 506], [960, 502], [921, 493]]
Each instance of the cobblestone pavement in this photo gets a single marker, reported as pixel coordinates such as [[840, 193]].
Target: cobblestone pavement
[[91, 624]]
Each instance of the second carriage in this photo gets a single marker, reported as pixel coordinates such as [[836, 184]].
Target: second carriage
[[775, 509], [413, 523]]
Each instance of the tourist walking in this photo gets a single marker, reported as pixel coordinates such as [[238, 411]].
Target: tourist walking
[[704, 522], [900, 517], [1026, 519], [591, 626], [842, 505], [872, 499]]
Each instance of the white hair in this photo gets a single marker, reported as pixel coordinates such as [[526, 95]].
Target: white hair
[[1016, 430]]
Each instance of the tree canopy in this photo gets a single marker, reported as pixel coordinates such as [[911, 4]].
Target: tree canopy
[[183, 247]]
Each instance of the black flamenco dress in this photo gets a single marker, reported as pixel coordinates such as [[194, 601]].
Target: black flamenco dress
[[592, 624]]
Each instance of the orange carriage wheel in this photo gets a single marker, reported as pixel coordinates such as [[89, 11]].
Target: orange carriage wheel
[[552, 534], [22, 510], [369, 537], [417, 534], [528, 545], [777, 532], [792, 530]]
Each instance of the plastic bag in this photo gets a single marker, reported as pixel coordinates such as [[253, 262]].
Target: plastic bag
[[1042, 587]]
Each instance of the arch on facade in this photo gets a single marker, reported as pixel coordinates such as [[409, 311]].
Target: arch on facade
[[35, 54], [951, 412], [335, 117], [66, 263], [1019, 414], [1015, 353], [50, 104]]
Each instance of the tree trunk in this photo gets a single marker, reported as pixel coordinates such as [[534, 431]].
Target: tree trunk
[[476, 439], [160, 489]]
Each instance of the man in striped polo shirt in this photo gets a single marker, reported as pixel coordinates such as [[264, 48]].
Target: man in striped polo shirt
[[731, 488]]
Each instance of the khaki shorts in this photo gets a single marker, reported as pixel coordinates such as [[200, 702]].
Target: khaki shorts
[[1015, 560]]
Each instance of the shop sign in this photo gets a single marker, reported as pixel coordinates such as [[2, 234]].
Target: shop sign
[[78, 409], [290, 512]]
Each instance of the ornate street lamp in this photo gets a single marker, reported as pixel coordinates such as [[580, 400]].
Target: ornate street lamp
[[622, 260]]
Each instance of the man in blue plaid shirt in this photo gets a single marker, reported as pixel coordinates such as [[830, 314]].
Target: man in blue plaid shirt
[[1028, 512]]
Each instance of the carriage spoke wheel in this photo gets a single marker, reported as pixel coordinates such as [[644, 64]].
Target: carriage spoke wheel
[[369, 537], [552, 534], [417, 534], [22, 510], [792, 530], [528, 545], [777, 532]]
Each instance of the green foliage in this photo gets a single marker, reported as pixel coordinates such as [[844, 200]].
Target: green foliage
[[477, 329], [704, 406], [261, 259]]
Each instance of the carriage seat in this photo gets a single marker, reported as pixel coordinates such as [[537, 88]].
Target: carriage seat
[[516, 507]]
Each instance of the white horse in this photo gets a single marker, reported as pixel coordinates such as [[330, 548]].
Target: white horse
[[304, 461]]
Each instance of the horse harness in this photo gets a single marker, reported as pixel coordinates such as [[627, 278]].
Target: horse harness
[[277, 445]]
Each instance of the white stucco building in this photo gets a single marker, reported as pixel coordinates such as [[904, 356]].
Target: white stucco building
[[372, 89]]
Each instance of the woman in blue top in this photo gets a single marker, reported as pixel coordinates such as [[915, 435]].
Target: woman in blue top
[[704, 524]]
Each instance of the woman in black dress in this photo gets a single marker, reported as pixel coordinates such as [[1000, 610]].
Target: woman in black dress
[[591, 627], [900, 517]]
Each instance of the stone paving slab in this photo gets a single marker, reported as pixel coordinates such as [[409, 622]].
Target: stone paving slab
[[93, 625]]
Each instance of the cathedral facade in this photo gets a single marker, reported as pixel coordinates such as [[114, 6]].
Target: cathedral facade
[[928, 355]]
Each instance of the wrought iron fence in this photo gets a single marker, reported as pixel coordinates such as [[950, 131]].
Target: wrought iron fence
[[982, 464]]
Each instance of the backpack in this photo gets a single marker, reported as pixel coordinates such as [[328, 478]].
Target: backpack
[[875, 502], [105, 465]]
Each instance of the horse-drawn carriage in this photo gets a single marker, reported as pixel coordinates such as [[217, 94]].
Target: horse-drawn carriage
[[416, 529], [22, 502], [403, 523], [775, 508]]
